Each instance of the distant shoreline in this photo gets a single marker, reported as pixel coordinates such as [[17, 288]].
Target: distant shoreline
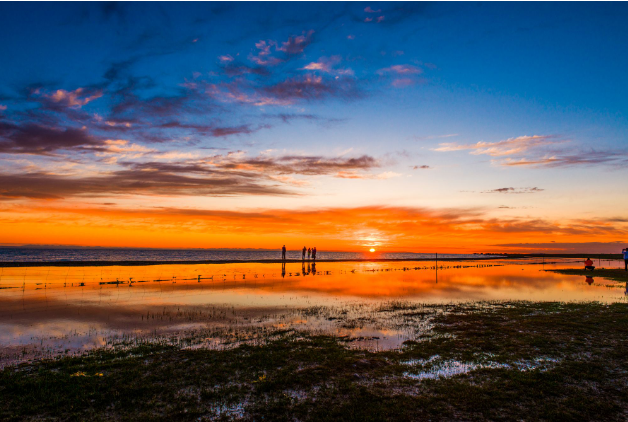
[[9, 264]]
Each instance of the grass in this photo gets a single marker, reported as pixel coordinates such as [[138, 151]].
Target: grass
[[551, 361]]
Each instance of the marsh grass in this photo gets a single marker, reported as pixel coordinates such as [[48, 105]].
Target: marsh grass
[[550, 361]]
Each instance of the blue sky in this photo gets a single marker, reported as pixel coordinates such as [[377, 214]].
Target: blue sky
[[514, 109]]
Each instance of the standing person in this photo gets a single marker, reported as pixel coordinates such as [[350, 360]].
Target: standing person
[[309, 252], [283, 253], [303, 254], [314, 253], [625, 252]]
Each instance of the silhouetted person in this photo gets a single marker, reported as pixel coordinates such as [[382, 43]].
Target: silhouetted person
[[588, 264], [283, 253], [625, 253], [314, 253], [303, 254], [309, 253]]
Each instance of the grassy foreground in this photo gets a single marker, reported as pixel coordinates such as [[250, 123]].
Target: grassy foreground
[[515, 361]]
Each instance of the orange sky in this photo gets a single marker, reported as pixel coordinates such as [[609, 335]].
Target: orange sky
[[341, 229]]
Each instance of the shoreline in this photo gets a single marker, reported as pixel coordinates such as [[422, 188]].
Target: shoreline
[[212, 262], [13, 264]]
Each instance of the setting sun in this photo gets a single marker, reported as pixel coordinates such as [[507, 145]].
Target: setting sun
[[372, 250]]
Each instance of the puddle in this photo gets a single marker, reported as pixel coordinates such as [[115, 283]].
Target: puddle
[[450, 368]]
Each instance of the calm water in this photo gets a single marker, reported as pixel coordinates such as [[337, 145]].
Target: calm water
[[47, 311], [117, 254]]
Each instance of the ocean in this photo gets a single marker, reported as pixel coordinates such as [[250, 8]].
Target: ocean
[[10, 254]]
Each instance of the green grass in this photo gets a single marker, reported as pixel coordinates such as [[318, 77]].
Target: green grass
[[296, 376]]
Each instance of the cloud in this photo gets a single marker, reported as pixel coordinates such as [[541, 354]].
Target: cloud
[[403, 75], [368, 9], [311, 87], [3, 107], [537, 151], [143, 180], [296, 45], [288, 118], [41, 140], [226, 58], [515, 190], [325, 64], [618, 158], [423, 167], [216, 131], [564, 247], [231, 174], [77, 98], [232, 69], [292, 164], [501, 148], [263, 56], [288, 49]]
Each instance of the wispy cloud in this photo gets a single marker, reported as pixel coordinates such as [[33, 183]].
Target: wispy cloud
[[514, 190], [509, 146], [538, 151], [585, 158], [401, 69]]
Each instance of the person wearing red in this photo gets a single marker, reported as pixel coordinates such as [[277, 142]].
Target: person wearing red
[[588, 264]]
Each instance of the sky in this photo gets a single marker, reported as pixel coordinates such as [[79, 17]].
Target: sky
[[419, 127]]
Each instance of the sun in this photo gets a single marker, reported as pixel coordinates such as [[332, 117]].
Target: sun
[[372, 249]]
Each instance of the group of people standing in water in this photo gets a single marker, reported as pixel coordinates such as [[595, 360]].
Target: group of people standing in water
[[311, 253]]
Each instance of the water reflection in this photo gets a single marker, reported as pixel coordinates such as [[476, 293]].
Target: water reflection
[[83, 307]]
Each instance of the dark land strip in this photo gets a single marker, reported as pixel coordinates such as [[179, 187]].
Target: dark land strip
[[520, 361]]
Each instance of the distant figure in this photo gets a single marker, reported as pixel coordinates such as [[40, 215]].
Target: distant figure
[[283, 253], [303, 254], [314, 253], [589, 280], [588, 264], [309, 253], [625, 253]]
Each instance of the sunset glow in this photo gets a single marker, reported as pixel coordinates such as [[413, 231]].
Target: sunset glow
[[346, 126]]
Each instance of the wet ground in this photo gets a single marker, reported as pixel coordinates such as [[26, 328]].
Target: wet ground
[[53, 311]]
